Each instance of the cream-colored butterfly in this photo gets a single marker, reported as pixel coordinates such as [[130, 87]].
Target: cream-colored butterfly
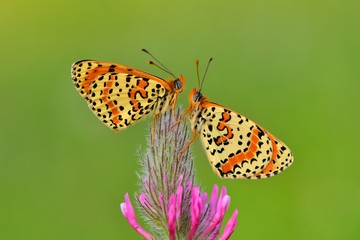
[[235, 146], [120, 95]]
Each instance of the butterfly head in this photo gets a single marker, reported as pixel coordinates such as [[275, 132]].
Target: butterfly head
[[195, 96], [179, 83]]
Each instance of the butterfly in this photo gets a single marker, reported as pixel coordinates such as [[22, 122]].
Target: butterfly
[[236, 146], [120, 95]]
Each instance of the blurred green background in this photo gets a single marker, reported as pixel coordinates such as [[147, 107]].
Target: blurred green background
[[292, 66]]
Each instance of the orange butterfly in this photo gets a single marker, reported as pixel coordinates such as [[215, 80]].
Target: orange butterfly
[[235, 146], [121, 95]]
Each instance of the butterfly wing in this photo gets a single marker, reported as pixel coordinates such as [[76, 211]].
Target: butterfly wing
[[239, 148], [117, 94]]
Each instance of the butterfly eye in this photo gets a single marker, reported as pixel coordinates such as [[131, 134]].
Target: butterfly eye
[[197, 96], [177, 83]]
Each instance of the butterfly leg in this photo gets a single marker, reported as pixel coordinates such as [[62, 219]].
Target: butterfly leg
[[172, 106], [189, 143], [181, 118]]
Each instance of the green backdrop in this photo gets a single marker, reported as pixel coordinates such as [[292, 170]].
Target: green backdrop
[[292, 66]]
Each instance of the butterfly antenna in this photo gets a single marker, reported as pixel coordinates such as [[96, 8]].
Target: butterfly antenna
[[159, 65], [206, 70], [197, 71]]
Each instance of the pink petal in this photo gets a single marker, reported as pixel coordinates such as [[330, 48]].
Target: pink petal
[[230, 226], [142, 199], [172, 217], [221, 209], [189, 186], [195, 211], [210, 207], [204, 206], [203, 198], [129, 213], [124, 209], [179, 193], [180, 179], [214, 199], [215, 232], [223, 192]]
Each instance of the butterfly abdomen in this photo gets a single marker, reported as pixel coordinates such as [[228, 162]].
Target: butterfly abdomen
[[164, 102]]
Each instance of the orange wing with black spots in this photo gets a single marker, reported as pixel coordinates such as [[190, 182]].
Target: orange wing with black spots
[[236, 146], [121, 95]]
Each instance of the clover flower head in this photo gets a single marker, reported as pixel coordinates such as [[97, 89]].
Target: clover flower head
[[170, 202]]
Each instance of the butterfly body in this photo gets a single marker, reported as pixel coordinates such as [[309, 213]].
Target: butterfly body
[[120, 95], [236, 146]]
